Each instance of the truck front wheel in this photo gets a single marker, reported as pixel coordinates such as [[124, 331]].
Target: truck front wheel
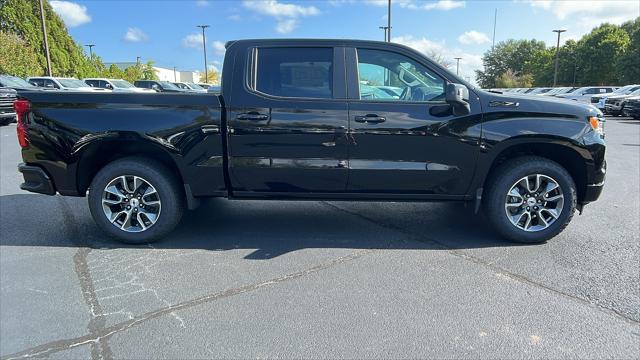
[[136, 200], [530, 199]]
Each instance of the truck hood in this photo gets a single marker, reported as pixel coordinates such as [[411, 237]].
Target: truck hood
[[536, 104]]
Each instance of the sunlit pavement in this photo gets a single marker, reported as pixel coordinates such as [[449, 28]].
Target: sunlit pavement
[[321, 279]]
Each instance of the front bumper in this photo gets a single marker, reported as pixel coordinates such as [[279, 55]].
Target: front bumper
[[611, 108], [36, 180], [593, 191]]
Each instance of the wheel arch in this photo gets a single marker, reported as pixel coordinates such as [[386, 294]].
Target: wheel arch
[[97, 155], [560, 152]]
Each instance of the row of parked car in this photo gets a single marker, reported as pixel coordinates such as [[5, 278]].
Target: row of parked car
[[611, 100], [9, 84], [102, 84]]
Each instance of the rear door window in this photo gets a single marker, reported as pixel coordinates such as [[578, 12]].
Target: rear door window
[[294, 72]]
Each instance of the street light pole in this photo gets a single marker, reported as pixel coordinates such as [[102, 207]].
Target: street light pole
[[174, 74], [204, 47], [90, 46], [555, 73], [385, 31], [458, 65], [138, 60], [389, 21], [44, 37]]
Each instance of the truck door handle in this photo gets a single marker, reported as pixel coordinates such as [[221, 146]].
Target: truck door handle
[[370, 119], [252, 116]]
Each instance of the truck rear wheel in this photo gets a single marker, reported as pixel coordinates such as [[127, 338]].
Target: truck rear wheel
[[136, 200], [530, 199]]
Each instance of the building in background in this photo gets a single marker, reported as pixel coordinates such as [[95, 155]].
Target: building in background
[[164, 73]]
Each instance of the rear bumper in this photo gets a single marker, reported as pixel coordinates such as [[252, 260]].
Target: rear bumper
[[36, 180]]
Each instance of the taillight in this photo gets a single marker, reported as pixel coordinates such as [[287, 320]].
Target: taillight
[[22, 108]]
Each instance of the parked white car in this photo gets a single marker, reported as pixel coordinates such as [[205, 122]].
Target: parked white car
[[67, 84], [115, 85], [190, 87], [585, 93], [600, 100]]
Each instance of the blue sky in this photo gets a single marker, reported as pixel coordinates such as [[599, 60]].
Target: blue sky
[[165, 31]]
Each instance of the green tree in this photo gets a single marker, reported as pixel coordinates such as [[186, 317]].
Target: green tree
[[518, 56], [628, 64], [22, 18], [148, 73], [17, 57], [598, 54]]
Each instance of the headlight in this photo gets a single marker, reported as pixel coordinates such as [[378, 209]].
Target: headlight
[[597, 124]]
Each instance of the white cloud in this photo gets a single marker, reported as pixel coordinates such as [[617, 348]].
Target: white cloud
[[71, 13], [401, 3], [234, 17], [218, 47], [192, 41], [278, 9], [591, 13], [286, 26], [134, 34], [285, 14], [468, 63], [202, 3], [444, 5], [420, 4], [473, 37]]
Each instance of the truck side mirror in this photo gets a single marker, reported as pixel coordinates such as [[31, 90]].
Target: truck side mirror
[[457, 95], [155, 87]]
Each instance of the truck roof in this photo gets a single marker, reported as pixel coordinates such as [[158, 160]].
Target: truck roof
[[345, 42]]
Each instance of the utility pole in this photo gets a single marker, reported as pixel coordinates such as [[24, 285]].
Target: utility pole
[[555, 73], [90, 46], [174, 74], [458, 65], [389, 21], [204, 48], [44, 37], [385, 31], [138, 60], [495, 19]]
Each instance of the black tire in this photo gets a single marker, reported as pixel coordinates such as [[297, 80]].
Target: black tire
[[169, 193], [500, 183]]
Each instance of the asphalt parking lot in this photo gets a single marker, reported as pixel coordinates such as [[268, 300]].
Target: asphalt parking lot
[[321, 279]]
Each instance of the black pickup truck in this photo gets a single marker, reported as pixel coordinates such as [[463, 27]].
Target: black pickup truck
[[316, 119]]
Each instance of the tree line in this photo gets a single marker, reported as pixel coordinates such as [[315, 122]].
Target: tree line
[[608, 55], [22, 54]]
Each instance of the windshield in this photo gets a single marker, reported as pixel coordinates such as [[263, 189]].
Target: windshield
[[71, 83], [14, 81], [631, 90], [625, 89], [195, 86], [636, 92], [168, 85], [122, 84]]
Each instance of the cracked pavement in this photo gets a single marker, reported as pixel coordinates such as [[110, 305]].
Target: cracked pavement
[[250, 279]]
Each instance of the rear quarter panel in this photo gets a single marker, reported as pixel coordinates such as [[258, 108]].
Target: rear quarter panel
[[70, 131]]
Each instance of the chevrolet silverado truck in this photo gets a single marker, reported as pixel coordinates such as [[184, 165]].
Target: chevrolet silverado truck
[[309, 120]]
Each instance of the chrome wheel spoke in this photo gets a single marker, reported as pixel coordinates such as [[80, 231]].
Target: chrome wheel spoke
[[554, 198], [127, 221]]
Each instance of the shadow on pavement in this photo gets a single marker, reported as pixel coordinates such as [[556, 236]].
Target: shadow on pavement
[[271, 228]]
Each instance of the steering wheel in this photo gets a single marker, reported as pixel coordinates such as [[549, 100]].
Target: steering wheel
[[404, 94]]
